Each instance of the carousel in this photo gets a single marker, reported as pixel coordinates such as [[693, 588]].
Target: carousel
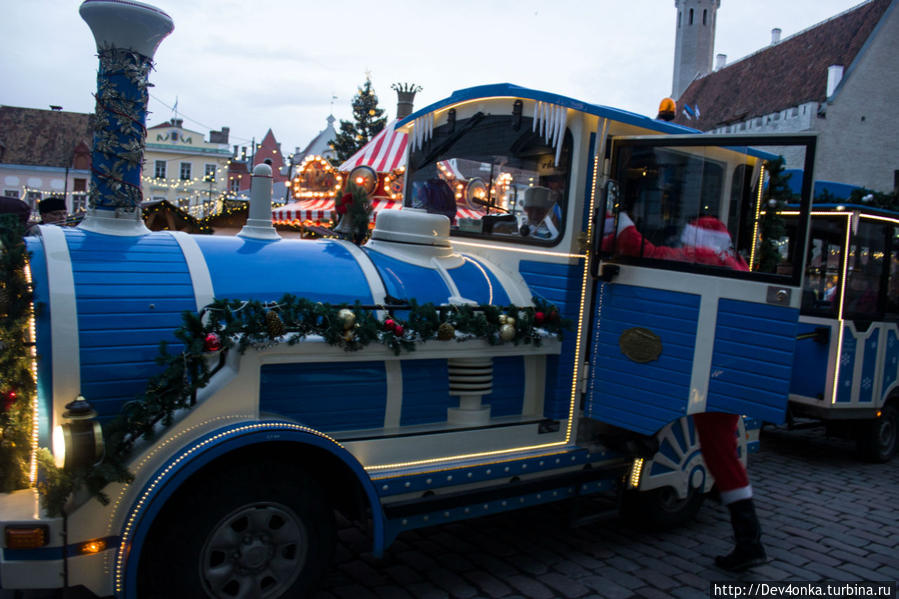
[[379, 168]]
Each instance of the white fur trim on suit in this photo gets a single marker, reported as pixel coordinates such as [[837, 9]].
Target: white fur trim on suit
[[734, 495], [693, 236]]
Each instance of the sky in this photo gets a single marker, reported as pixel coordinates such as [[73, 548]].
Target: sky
[[286, 65]]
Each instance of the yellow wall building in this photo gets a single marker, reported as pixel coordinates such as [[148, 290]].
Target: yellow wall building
[[185, 169]]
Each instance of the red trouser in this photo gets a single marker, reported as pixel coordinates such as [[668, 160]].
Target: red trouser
[[718, 440]]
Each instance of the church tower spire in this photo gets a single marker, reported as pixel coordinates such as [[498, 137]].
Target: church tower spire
[[694, 42]]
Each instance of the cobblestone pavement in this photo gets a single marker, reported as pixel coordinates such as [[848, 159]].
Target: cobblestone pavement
[[826, 516]]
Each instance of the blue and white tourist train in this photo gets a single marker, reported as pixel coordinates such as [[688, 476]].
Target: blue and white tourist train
[[449, 367]]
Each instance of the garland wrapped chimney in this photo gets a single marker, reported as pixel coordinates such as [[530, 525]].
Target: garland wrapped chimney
[[127, 35], [405, 97]]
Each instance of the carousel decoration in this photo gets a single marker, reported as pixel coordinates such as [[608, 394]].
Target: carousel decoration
[[316, 179], [394, 181]]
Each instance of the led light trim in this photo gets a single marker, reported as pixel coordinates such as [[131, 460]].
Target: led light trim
[[840, 322], [636, 473], [755, 225]]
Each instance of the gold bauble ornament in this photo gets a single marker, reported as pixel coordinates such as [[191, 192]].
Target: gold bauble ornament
[[346, 318], [348, 335], [507, 332]]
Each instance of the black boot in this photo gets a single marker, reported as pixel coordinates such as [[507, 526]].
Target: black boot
[[749, 551]]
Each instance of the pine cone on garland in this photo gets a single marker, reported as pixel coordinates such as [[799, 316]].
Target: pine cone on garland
[[273, 324], [445, 332]]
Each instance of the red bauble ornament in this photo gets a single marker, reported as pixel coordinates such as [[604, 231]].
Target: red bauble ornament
[[8, 400], [398, 330], [212, 343], [389, 324], [539, 317]]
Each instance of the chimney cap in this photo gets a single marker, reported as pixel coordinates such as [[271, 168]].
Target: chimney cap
[[775, 35]]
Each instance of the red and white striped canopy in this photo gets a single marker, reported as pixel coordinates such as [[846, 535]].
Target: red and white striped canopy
[[385, 152], [315, 210], [320, 210]]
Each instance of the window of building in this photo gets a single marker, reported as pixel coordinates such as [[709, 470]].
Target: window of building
[[80, 185], [705, 14], [13, 193], [210, 173], [691, 16], [79, 202], [185, 171], [160, 169], [32, 198], [235, 184]]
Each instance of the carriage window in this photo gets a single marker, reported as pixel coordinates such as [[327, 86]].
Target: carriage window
[[701, 206], [820, 294], [864, 272], [494, 176], [892, 295]]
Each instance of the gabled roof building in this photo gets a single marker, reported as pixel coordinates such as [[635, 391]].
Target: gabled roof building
[[45, 153], [839, 79]]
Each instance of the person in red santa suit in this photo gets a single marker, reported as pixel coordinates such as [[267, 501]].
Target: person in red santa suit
[[705, 240]]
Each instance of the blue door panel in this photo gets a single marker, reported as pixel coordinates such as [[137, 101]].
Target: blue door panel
[[736, 384], [642, 397]]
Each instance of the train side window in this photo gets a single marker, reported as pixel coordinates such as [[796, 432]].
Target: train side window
[[892, 290], [820, 294], [864, 274], [700, 208]]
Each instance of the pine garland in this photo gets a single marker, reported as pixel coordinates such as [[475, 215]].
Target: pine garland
[[237, 325], [16, 381]]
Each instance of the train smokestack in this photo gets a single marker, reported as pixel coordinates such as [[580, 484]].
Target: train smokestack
[[127, 36]]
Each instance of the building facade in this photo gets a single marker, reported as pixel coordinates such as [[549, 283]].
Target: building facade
[[184, 169], [45, 153], [838, 79]]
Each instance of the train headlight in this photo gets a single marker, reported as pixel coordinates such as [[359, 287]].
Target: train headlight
[[79, 442]]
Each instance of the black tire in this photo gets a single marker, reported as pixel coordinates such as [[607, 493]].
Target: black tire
[[248, 526], [876, 440], [660, 509]]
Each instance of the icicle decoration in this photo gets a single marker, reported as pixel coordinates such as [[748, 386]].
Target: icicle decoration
[[550, 121], [422, 130]]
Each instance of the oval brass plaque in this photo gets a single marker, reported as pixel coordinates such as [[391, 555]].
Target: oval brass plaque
[[640, 345]]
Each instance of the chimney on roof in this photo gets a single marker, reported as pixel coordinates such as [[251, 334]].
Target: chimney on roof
[[834, 76], [234, 155], [405, 96], [219, 137], [720, 61], [775, 36], [177, 122]]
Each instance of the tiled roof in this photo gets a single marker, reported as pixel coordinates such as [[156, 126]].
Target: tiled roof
[[36, 137], [787, 74]]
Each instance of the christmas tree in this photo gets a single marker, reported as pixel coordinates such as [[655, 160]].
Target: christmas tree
[[369, 120]]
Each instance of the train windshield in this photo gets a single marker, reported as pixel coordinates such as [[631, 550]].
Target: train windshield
[[496, 176]]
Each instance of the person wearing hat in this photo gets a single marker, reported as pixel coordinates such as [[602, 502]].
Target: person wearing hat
[[53, 210], [706, 240], [16, 208], [539, 206]]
